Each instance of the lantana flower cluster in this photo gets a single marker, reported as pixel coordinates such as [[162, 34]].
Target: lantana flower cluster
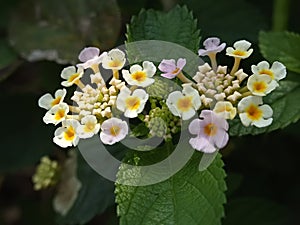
[[104, 106]]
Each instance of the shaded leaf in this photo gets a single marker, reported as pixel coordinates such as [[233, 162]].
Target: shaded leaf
[[42, 30], [274, 48]]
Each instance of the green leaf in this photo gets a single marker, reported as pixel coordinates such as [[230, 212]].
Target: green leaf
[[249, 211], [286, 110], [281, 46], [177, 26], [188, 197], [41, 30], [95, 196], [228, 20]]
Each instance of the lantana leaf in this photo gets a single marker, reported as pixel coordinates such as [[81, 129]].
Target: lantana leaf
[[283, 47]]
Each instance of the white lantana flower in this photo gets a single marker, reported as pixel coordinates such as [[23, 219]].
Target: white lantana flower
[[113, 130], [225, 109], [56, 114], [114, 60], [276, 72], [131, 103], [184, 104], [252, 112], [240, 49], [89, 127], [140, 76], [71, 76], [261, 85], [66, 136], [91, 58], [47, 101]]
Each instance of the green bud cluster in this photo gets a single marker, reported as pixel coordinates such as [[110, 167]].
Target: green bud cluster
[[161, 88], [47, 174], [160, 121]]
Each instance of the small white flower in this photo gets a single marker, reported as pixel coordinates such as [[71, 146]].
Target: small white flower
[[114, 60], [184, 104], [66, 136], [140, 76], [71, 76], [225, 109], [90, 58], [240, 49], [89, 127], [56, 114], [252, 112], [113, 130], [261, 85], [131, 104], [47, 101], [276, 72]]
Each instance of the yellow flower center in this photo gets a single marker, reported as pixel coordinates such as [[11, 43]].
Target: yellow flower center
[[133, 103], [175, 71], [253, 112], [184, 104], [56, 101], [114, 130], [139, 76], [267, 72], [260, 86], [69, 134], [239, 53], [73, 77], [59, 114], [210, 129], [114, 63], [89, 127]]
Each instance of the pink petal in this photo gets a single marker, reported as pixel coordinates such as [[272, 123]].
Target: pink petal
[[181, 63], [194, 127], [168, 75], [221, 139], [167, 65], [88, 53]]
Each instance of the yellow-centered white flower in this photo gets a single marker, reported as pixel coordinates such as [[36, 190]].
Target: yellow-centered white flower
[[56, 114], [71, 76], [252, 112], [240, 50], [225, 109], [140, 76], [114, 60], [89, 127], [184, 104], [113, 130], [47, 101], [66, 136], [276, 72], [261, 85], [131, 103]]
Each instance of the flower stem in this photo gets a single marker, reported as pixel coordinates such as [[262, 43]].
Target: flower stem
[[213, 61], [280, 15], [74, 109], [116, 74], [236, 65], [245, 94], [80, 84], [183, 78]]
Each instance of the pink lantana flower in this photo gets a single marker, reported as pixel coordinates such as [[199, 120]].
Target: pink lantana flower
[[170, 68], [211, 132], [212, 46], [113, 130], [91, 58]]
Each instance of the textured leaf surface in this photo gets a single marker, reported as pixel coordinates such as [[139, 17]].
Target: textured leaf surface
[[177, 26], [189, 197], [286, 110], [58, 30], [283, 47]]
